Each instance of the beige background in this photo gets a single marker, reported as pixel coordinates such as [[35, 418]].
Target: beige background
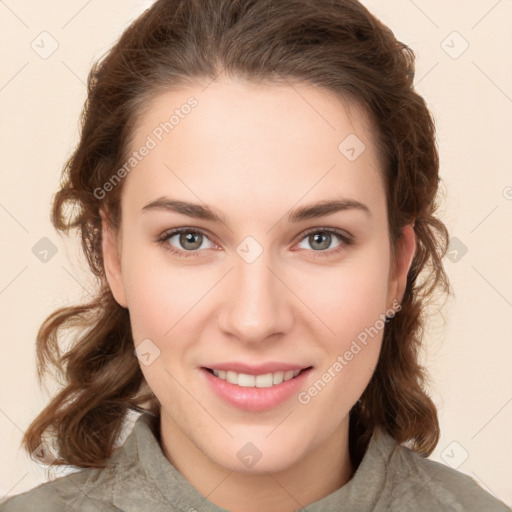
[[470, 94]]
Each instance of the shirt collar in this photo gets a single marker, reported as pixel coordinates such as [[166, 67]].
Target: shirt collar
[[147, 481]]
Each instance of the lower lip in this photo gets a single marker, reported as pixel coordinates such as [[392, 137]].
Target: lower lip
[[256, 399]]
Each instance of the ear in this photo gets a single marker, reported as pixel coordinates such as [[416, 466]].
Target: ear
[[405, 251], [111, 249]]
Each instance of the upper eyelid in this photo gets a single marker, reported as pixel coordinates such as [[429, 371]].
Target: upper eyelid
[[336, 231], [169, 233]]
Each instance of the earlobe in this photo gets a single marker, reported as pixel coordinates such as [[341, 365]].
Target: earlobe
[[112, 261], [405, 251]]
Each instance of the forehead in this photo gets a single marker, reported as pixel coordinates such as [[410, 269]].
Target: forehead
[[243, 144]]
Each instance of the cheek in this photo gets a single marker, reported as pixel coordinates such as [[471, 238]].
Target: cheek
[[158, 293], [351, 296], [354, 308], [351, 301], [148, 295]]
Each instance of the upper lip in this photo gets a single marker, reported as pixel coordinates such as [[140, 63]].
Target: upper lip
[[256, 369]]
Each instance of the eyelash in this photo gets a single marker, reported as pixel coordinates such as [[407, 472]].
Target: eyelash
[[344, 239]]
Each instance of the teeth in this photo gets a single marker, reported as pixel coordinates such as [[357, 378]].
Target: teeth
[[260, 381]]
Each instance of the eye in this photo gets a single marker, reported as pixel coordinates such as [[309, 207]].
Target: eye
[[185, 240], [321, 239]]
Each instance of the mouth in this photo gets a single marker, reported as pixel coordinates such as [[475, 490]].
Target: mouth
[[256, 392], [264, 380]]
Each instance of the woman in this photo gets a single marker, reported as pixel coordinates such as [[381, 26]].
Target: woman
[[255, 189]]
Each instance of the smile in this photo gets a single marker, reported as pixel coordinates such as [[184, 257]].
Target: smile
[[245, 380], [256, 393]]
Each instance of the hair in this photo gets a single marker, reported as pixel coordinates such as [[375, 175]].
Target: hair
[[337, 45]]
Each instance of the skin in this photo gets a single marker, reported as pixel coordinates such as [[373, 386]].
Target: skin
[[255, 152]]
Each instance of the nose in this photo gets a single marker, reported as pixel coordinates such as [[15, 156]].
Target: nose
[[256, 305]]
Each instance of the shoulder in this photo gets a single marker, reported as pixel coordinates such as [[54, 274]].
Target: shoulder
[[419, 484], [86, 490], [93, 489]]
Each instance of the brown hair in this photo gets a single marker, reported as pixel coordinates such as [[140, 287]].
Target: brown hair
[[337, 45]]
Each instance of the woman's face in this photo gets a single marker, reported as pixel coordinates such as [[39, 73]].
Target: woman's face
[[260, 282]]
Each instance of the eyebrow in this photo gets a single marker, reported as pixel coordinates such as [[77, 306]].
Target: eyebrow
[[310, 211], [327, 207]]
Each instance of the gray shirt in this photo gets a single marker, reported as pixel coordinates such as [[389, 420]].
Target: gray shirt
[[139, 478]]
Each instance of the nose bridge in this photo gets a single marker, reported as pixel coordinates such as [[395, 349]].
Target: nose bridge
[[255, 306]]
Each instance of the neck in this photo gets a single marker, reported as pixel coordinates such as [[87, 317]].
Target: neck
[[322, 471]]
